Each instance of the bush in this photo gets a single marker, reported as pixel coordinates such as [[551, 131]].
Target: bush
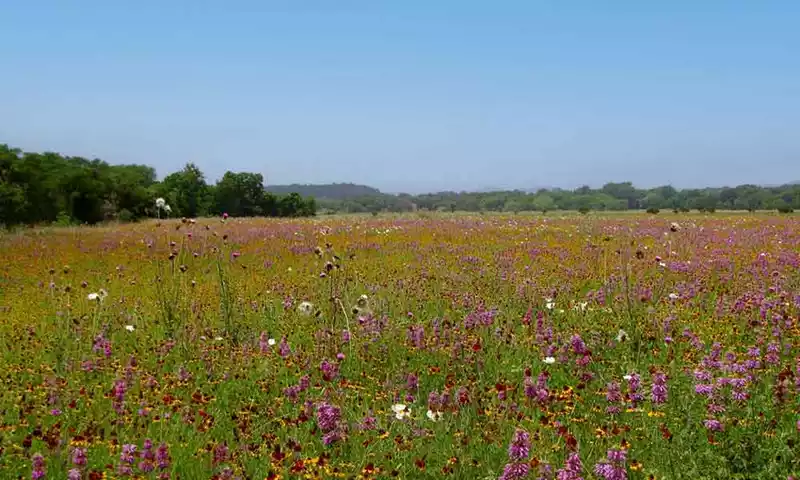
[[125, 215], [785, 210], [583, 210], [653, 210], [64, 220]]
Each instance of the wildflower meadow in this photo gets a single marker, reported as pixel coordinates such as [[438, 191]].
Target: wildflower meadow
[[411, 346]]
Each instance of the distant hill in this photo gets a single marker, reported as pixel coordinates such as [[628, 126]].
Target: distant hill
[[331, 191]]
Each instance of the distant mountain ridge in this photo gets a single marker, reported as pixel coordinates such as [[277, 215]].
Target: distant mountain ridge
[[331, 191]]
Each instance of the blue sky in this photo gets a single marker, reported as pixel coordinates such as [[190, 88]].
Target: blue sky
[[413, 95]]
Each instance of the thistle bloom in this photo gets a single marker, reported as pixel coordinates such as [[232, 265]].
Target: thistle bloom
[[305, 308]]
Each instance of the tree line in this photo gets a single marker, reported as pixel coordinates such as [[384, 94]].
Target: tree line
[[38, 188], [610, 197]]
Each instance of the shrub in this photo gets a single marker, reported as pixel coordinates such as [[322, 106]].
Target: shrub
[[126, 216], [64, 220], [583, 210], [653, 210]]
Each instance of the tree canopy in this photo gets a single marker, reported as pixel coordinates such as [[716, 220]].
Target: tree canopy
[[610, 197], [48, 187]]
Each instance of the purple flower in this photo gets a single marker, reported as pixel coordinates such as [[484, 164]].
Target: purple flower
[[515, 471], [330, 370], [434, 401], [739, 395], [148, 456], [368, 423], [283, 349], [128, 451], [572, 469], [577, 345], [613, 393], [659, 390], [704, 389], [713, 425], [412, 381], [416, 336], [74, 474], [162, 457], [331, 437], [220, 453], [126, 459], [613, 468], [328, 417], [79, 457], [38, 467], [520, 446], [304, 383]]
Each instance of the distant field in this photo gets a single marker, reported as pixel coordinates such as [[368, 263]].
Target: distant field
[[411, 346]]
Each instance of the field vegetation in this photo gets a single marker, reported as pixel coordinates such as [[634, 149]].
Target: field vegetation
[[434, 346]]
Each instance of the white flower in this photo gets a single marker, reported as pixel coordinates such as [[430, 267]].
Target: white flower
[[305, 308], [271, 342], [102, 293], [129, 328], [581, 306], [219, 339], [549, 360], [673, 296], [549, 303], [434, 416], [400, 411], [622, 335], [93, 297], [627, 377], [662, 264], [160, 202], [363, 301], [167, 209]]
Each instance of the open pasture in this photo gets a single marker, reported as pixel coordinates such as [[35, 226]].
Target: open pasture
[[442, 347]]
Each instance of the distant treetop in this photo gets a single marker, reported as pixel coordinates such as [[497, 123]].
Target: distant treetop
[[330, 191]]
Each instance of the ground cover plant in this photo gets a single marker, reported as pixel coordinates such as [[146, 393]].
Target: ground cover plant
[[412, 347]]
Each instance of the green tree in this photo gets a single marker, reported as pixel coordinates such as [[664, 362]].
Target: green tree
[[187, 192]]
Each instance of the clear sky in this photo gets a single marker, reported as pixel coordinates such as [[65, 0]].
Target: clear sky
[[410, 95]]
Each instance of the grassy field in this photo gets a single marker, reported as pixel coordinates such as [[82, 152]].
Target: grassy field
[[433, 346]]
